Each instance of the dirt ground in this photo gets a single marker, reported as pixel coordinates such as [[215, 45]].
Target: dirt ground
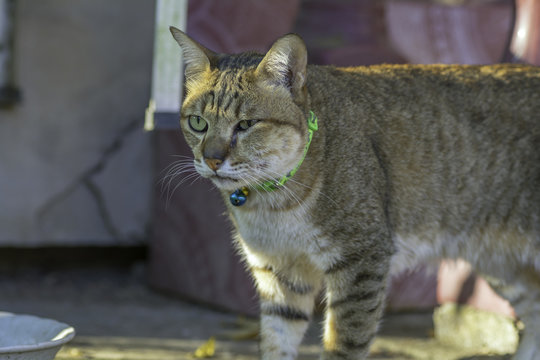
[[117, 316]]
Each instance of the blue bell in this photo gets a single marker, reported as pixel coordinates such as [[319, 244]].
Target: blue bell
[[239, 197]]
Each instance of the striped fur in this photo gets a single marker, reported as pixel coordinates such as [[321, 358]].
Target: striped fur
[[410, 163]]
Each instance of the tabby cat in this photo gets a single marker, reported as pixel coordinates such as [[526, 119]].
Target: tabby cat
[[336, 178]]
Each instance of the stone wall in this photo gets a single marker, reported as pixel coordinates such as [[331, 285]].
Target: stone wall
[[75, 164]]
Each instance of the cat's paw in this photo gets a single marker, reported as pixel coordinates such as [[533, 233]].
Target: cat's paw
[[339, 355]]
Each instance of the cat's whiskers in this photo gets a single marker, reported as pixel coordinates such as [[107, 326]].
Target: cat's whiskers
[[296, 182], [292, 180], [183, 160], [288, 192], [184, 168], [174, 171], [293, 196], [193, 176], [172, 167], [255, 182]]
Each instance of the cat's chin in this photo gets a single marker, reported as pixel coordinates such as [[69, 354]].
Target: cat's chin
[[227, 184]]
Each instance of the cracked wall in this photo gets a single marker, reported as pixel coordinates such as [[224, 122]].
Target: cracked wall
[[75, 164]]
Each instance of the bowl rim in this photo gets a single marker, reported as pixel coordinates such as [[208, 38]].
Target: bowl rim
[[64, 336]]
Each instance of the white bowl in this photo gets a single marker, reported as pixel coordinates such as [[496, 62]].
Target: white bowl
[[26, 337]]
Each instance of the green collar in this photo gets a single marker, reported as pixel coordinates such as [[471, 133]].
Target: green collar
[[239, 196]]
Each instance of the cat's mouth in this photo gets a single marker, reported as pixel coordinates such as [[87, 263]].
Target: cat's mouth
[[221, 179], [228, 179], [226, 182], [224, 178]]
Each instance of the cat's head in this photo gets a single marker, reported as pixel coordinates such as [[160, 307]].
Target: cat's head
[[244, 116]]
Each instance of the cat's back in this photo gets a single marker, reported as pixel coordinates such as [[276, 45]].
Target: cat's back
[[433, 115], [435, 108], [399, 87], [459, 145]]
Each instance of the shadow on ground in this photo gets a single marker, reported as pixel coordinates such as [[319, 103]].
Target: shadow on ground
[[117, 316]]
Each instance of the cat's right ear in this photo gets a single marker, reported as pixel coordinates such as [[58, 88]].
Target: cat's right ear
[[197, 58], [285, 64]]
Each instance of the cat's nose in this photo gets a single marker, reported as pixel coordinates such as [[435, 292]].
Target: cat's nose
[[213, 164]]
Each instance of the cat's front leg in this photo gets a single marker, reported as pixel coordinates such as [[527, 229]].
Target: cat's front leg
[[356, 287], [287, 296]]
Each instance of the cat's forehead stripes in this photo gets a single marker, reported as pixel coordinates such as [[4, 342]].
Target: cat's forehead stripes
[[224, 95], [224, 90], [227, 82]]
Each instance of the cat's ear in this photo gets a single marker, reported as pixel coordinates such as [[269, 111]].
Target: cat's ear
[[197, 58], [285, 63]]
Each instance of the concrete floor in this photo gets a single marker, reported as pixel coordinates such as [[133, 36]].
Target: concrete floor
[[117, 316]]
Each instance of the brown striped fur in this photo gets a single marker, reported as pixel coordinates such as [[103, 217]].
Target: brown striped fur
[[410, 163]]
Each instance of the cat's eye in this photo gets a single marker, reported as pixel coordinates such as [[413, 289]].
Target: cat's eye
[[197, 123], [245, 124]]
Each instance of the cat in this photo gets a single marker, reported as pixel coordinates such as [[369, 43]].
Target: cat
[[336, 178]]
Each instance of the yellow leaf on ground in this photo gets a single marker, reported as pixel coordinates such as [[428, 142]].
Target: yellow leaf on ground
[[206, 350]]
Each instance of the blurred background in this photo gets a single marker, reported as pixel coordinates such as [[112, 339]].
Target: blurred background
[[80, 178]]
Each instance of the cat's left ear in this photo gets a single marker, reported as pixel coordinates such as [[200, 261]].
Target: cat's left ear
[[285, 64]]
